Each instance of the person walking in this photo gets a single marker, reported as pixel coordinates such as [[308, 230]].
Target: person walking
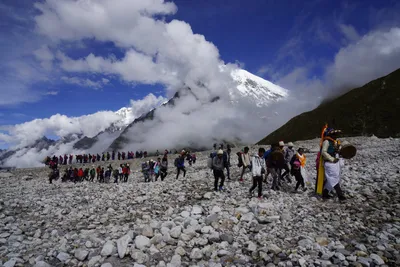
[[218, 166], [258, 171]]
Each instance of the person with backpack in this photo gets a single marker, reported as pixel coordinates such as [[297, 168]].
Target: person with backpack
[[157, 169], [275, 162], [244, 162], [298, 162], [289, 153], [151, 169], [101, 175], [86, 174], [92, 174], [180, 165], [126, 170], [218, 166], [226, 164], [115, 175], [164, 167], [265, 156], [146, 172], [258, 170]]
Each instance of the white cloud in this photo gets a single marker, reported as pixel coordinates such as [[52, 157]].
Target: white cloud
[[25, 134], [52, 93], [156, 51], [140, 107], [45, 56], [349, 32], [373, 55], [85, 82]]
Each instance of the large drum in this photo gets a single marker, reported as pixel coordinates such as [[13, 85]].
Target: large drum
[[347, 151]]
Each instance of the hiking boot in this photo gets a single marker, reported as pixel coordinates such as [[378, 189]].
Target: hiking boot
[[260, 198], [304, 189], [221, 188], [241, 180]]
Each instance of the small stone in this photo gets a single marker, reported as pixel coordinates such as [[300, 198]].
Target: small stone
[[252, 247], [122, 245], [196, 254], [108, 249], [377, 259], [107, 264], [196, 210], [176, 232], [81, 254], [185, 214], [139, 256], [381, 248], [141, 242], [322, 241], [207, 195], [227, 237], [361, 247], [93, 261], [274, 249], [10, 263], [88, 244], [63, 257], [206, 229], [212, 218], [302, 262], [180, 251], [216, 209], [175, 261], [148, 231], [42, 264]]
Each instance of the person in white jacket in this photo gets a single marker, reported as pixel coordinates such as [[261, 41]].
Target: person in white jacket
[[245, 159], [258, 170]]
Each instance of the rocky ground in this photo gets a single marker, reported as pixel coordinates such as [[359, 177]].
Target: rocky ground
[[184, 223]]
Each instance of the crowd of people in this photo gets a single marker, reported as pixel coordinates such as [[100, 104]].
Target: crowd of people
[[280, 161], [92, 158]]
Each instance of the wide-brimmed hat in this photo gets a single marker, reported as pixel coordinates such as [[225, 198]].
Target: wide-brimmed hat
[[290, 144], [281, 143]]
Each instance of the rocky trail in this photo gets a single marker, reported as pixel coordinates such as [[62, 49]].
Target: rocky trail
[[184, 223]]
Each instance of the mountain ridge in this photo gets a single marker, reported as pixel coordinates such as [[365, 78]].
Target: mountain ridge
[[367, 110]]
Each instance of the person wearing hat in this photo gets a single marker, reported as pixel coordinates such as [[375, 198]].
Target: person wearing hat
[[330, 154], [289, 153], [218, 166]]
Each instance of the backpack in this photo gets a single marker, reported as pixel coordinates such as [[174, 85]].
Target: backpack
[[240, 161], [210, 163]]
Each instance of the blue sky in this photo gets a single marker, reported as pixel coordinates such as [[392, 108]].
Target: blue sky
[[291, 42]]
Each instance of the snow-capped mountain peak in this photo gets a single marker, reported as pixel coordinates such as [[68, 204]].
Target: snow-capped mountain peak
[[261, 91], [126, 115]]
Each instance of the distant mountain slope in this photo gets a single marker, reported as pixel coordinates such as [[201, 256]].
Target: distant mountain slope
[[371, 109]]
